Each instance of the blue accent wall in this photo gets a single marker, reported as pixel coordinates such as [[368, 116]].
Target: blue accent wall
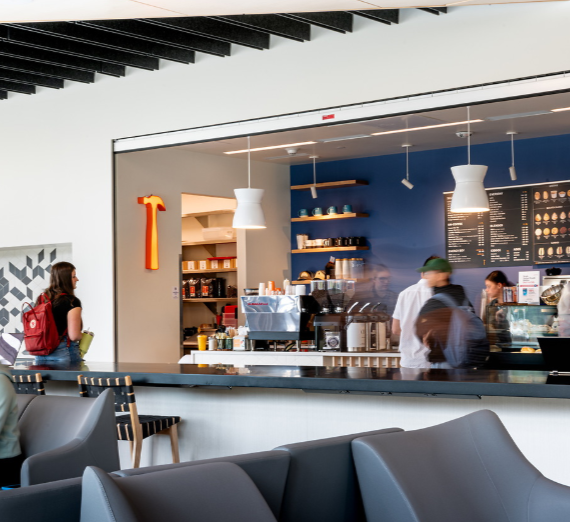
[[407, 226]]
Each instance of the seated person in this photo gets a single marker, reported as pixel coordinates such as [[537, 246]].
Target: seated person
[[11, 457]]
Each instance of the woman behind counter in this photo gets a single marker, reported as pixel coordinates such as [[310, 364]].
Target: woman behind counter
[[498, 327]]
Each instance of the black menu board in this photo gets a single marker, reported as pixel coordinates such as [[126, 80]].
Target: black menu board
[[526, 225], [551, 206]]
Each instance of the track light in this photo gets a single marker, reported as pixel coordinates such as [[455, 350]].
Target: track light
[[406, 181], [512, 170], [314, 185]]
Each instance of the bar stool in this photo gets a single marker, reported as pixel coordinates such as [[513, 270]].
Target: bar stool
[[132, 427], [29, 384]]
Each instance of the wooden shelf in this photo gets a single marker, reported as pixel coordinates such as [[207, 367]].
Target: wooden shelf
[[209, 271], [218, 242], [308, 281], [211, 213], [328, 249], [328, 217], [333, 184], [211, 300]]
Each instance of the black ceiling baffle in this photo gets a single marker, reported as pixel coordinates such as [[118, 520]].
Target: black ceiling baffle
[[385, 16], [340, 21], [160, 34], [43, 56], [277, 25], [434, 10], [215, 29], [46, 69], [50, 54], [22, 88]]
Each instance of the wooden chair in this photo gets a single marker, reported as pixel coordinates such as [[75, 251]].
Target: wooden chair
[[29, 384], [132, 427]]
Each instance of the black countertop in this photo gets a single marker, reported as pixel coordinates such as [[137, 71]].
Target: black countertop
[[375, 381]]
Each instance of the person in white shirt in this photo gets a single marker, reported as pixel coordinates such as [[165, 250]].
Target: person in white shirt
[[408, 306]]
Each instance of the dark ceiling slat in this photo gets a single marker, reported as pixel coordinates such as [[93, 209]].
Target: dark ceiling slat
[[161, 34], [340, 21], [434, 10], [63, 45], [108, 40], [17, 87], [55, 58], [3, 95], [272, 24], [216, 29], [385, 16], [46, 69], [32, 79]]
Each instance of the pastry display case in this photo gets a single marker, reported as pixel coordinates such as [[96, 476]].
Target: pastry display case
[[514, 326]]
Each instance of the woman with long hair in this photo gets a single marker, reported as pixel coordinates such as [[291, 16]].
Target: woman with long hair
[[494, 284], [496, 322], [66, 310]]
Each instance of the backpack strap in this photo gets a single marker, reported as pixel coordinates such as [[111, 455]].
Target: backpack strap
[[445, 298]]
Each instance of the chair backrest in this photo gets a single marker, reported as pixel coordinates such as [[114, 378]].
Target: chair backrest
[[58, 501], [321, 484], [61, 435], [220, 492], [267, 469], [468, 469], [23, 402], [122, 388], [29, 384]]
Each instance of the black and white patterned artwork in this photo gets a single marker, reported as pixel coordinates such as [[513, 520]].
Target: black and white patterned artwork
[[24, 275]]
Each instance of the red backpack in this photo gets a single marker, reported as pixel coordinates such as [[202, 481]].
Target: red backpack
[[40, 330]]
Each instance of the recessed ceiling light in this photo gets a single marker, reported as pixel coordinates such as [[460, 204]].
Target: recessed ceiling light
[[561, 110], [425, 127], [273, 147], [519, 115], [342, 138]]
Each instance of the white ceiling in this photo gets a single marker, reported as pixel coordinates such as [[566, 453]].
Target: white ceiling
[[510, 114], [60, 10]]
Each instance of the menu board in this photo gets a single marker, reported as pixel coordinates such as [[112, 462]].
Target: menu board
[[528, 224], [551, 206]]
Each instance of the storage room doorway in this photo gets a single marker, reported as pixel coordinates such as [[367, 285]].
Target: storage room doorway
[[209, 267]]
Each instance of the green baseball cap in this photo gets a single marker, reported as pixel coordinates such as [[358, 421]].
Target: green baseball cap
[[439, 264]]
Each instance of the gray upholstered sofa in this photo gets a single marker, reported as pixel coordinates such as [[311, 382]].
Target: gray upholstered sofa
[[468, 469]]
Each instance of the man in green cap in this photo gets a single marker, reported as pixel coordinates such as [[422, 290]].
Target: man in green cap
[[434, 318]]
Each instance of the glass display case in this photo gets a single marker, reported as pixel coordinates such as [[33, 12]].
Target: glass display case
[[512, 326]]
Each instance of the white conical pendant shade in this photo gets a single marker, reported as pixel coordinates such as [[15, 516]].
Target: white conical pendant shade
[[249, 213], [469, 194]]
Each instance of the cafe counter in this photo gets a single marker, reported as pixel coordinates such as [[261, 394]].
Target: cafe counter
[[228, 410]]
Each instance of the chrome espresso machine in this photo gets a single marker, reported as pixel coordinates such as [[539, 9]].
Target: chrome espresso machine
[[330, 316]]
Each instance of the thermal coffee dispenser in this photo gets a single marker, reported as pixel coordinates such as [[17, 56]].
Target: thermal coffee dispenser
[[279, 317]]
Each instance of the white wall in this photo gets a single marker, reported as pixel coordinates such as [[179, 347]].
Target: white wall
[[56, 163], [148, 316]]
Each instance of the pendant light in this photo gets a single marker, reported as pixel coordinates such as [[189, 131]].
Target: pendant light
[[249, 213], [512, 170], [406, 181], [314, 186], [469, 194]]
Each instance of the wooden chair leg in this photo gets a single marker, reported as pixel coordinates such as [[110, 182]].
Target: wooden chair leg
[[132, 447], [173, 432], [136, 455]]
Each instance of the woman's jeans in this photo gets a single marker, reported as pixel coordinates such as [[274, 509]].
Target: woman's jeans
[[63, 353]]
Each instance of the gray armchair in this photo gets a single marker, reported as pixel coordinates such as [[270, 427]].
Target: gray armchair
[[219, 492], [467, 470], [61, 436]]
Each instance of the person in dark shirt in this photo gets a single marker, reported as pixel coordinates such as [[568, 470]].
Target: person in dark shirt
[[432, 325], [376, 294], [66, 310]]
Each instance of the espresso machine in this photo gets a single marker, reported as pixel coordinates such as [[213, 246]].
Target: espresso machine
[[279, 317]]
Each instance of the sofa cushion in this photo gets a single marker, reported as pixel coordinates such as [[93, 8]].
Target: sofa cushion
[[219, 492]]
